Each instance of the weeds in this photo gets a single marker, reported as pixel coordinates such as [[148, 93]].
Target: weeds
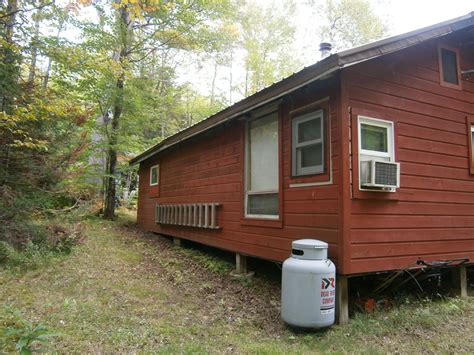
[[21, 335], [26, 239], [31, 253], [211, 263]]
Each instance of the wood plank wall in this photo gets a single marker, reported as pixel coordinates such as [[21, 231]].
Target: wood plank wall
[[432, 215], [210, 169]]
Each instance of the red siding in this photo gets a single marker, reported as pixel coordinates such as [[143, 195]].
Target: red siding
[[210, 169], [430, 217], [432, 214]]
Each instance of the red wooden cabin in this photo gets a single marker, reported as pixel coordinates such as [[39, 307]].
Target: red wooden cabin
[[370, 150]]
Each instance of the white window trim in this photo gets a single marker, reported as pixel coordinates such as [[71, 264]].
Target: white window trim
[[157, 166], [318, 169], [247, 174], [390, 155]]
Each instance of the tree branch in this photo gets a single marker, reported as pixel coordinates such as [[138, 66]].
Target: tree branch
[[39, 7]]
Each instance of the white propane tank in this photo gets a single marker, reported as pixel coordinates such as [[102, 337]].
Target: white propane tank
[[308, 286]]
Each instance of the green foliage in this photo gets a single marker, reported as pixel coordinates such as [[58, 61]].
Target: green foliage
[[81, 95], [26, 242], [349, 23], [21, 335], [268, 37]]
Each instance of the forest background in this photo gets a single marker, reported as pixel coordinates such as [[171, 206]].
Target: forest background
[[85, 85]]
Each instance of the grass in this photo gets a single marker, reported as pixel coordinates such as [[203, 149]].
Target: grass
[[125, 291]]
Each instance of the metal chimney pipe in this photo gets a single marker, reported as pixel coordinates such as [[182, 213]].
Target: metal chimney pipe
[[325, 49]]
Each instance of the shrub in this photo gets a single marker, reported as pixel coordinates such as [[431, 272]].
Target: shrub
[[24, 240], [63, 238]]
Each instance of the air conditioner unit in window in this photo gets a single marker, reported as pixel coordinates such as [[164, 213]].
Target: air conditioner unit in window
[[379, 175]]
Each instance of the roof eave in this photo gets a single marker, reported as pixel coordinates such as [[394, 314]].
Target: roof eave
[[274, 92]]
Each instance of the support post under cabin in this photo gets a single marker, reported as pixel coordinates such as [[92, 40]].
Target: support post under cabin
[[176, 241], [240, 263], [342, 300], [456, 279], [463, 280]]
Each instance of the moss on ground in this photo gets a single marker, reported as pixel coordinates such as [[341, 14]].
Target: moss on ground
[[125, 290]]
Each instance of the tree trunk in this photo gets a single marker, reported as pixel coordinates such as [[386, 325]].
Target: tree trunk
[[125, 36], [231, 84], [9, 59], [34, 50], [9, 78], [50, 61], [213, 86], [109, 209], [246, 92], [128, 184]]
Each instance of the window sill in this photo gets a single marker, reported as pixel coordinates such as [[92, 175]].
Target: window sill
[[261, 222], [451, 85], [307, 179], [375, 195]]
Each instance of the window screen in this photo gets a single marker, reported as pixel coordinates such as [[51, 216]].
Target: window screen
[[450, 66], [374, 138], [262, 175], [263, 204]]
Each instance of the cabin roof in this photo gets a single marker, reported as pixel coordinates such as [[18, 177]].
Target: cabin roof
[[317, 71]]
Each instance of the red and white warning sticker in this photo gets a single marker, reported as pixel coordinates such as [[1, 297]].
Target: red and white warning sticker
[[328, 295]]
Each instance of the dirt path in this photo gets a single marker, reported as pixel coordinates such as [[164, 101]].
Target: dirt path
[[124, 290]]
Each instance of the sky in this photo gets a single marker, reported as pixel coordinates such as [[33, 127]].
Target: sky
[[408, 15], [401, 16]]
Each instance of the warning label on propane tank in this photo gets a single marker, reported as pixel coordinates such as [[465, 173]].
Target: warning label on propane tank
[[328, 294], [327, 311]]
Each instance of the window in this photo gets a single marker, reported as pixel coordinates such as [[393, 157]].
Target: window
[[376, 144], [375, 139], [154, 175], [262, 167], [308, 144], [449, 67]]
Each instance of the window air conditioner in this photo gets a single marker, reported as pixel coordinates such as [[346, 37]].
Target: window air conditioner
[[379, 175]]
